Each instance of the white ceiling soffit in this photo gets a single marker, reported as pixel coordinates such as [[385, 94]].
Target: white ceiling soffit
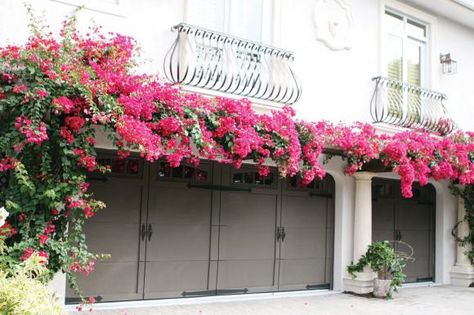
[[467, 3], [460, 11]]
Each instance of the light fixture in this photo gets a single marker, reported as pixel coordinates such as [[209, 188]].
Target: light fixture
[[450, 66]]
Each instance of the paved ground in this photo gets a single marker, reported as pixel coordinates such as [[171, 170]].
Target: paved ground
[[436, 300]]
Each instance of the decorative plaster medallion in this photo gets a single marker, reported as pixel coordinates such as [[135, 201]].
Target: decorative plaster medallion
[[333, 23]]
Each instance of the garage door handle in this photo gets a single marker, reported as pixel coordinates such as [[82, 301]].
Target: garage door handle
[[283, 234], [398, 235], [150, 232], [143, 231]]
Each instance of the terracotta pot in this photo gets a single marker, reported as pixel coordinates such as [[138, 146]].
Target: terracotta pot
[[381, 287]]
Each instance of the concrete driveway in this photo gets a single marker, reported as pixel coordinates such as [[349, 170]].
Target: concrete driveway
[[434, 300]]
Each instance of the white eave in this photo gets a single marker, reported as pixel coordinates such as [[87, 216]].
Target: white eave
[[460, 11]]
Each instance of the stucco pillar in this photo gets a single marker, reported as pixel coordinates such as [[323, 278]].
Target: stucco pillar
[[462, 273], [363, 282]]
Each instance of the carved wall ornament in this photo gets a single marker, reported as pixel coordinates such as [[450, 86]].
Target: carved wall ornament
[[334, 24]]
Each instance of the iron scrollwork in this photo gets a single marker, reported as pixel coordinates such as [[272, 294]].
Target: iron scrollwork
[[216, 61]]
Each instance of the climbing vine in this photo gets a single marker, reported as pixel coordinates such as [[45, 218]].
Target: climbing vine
[[467, 194]]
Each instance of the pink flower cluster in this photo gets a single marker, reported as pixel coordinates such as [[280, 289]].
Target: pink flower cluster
[[35, 133]]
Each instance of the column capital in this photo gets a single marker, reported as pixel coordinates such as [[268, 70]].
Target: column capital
[[363, 176]]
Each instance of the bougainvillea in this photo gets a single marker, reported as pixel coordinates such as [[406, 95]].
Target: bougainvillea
[[54, 93]]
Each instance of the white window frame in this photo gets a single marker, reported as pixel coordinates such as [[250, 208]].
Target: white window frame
[[231, 22], [428, 78]]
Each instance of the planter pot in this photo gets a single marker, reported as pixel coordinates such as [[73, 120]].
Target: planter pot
[[381, 287]]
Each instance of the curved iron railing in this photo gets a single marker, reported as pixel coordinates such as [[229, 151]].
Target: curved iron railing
[[216, 61], [407, 105]]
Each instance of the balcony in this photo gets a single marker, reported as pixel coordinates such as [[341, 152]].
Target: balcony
[[215, 61], [409, 106]]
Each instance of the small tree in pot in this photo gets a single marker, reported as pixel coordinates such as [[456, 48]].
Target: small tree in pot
[[388, 265]]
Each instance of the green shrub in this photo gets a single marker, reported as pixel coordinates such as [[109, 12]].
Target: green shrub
[[383, 260]]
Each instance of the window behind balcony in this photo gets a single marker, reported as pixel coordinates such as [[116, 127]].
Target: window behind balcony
[[406, 62], [406, 49], [249, 19]]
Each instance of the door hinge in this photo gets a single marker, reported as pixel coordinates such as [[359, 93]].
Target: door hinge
[[97, 177], [218, 187], [214, 292], [323, 195]]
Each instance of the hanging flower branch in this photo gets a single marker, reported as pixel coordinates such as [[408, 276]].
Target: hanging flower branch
[[53, 93]]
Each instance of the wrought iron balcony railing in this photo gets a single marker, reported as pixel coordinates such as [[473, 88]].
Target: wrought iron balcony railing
[[406, 105], [216, 61]]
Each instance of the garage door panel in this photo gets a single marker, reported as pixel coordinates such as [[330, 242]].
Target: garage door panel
[[304, 211], [251, 274], [382, 235], [247, 209], [122, 198], [417, 268], [413, 216], [179, 242], [419, 240], [179, 206], [172, 278], [383, 214], [306, 254], [177, 258], [121, 242], [411, 221], [303, 271], [247, 242], [304, 243], [112, 281]]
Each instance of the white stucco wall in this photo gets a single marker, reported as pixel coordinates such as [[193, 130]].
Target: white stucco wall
[[336, 84]]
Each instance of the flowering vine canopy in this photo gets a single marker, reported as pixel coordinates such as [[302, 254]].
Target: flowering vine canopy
[[55, 92]]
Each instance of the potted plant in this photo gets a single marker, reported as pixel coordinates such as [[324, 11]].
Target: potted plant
[[388, 265]]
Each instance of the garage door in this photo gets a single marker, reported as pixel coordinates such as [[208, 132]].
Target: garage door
[[115, 231], [210, 230], [247, 223], [411, 221], [307, 235], [178, 238]]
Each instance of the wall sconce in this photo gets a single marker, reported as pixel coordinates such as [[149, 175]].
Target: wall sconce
[[450, 66]]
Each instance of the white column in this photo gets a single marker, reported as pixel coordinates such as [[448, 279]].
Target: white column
[[462, 273], [363, 283]]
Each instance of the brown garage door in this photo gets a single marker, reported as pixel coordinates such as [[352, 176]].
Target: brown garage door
[[307, 235], [408, 220], [115, 231], [212, 230]]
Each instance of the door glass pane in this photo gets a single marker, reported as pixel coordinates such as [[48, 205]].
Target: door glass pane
[[207, 13], [413, 56], [394, 72], [415, 29], [413, 64], [394, 57], [394, 23], [247, 19]]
